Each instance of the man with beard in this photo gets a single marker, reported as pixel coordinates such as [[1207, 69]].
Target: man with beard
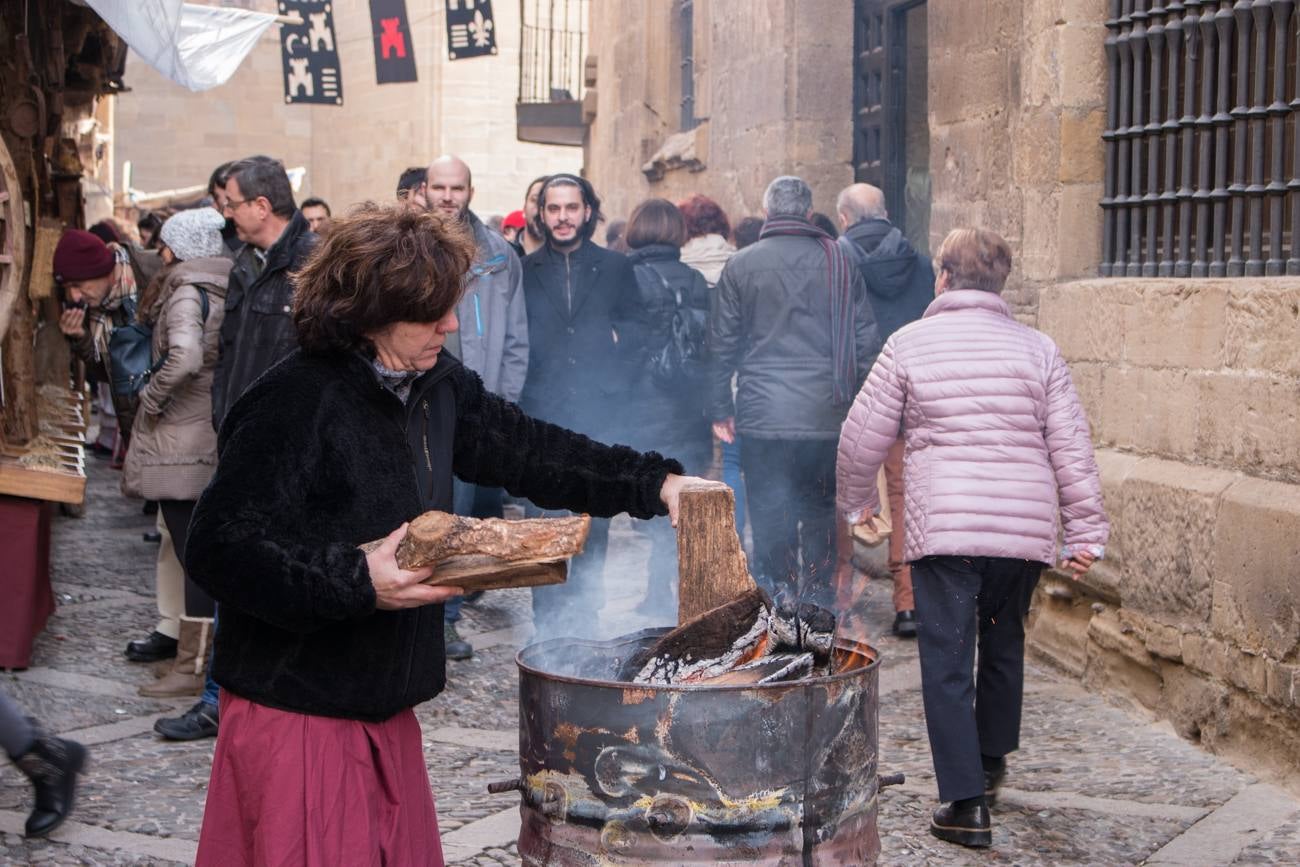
[[583, 342], [493, 336]]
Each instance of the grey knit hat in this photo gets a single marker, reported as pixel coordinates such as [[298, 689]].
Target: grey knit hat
[[194, 234]]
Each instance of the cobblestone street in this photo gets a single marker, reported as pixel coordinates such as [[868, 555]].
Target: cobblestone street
[[1092, 783]]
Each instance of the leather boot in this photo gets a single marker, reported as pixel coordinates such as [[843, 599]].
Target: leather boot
[[52, 764], [190, 666]]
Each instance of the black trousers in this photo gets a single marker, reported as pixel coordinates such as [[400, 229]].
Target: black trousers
[[176, 515], [790, 486], [963, 603]]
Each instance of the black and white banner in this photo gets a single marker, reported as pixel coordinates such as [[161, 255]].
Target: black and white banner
[[394, 55], [471, 32], [309, 53]]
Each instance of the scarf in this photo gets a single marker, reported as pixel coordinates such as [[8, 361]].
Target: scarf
[[100, 318], [844, 370]]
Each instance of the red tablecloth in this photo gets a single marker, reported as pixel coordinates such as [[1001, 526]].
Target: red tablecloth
[[26, 599]]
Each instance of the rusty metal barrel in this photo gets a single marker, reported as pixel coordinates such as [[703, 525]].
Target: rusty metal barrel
[[621, 773]]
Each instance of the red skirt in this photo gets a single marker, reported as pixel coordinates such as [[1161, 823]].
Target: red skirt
[[296, 789]]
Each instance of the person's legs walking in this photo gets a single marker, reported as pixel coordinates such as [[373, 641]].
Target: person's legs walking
[[169, 589], [814, 505], [770, 484], [51, 764], [899, 570], [999, 686], [947, 601], [734, 479], [187, 671]]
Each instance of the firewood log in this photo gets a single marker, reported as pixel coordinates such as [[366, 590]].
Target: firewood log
[[491, 553]]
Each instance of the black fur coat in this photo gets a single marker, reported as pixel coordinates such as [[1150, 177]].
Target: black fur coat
[[318, 457]]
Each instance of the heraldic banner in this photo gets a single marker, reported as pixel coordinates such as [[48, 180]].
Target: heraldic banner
[[471, 32], [394, 54], [309, 53]]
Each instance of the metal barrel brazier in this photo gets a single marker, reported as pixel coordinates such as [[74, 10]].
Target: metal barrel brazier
[[619, 773]]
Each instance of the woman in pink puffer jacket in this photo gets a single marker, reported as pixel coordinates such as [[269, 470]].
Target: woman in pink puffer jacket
[[997, 447]]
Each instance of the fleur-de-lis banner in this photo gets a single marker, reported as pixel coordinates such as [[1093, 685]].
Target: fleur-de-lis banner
[[309, 53], [471, 32], [394, 54]]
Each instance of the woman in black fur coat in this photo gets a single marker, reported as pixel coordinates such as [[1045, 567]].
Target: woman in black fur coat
[[323, 649]]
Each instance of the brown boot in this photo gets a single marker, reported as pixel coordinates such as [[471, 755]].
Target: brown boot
[[190, 666]]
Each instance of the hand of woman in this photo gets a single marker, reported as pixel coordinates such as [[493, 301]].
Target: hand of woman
[[671, 492], [396, 587], [1078, 564]]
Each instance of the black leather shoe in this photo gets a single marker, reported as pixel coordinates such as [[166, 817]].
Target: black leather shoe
[[454, 646], [965, 825], [52, 764], [157, 646], [905, 624], [995, 773], [195, 724]]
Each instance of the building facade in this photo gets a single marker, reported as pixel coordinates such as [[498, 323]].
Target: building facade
[[1008, 114], [352, 152]]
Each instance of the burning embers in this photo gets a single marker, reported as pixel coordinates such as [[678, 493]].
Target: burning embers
[[749, 641]]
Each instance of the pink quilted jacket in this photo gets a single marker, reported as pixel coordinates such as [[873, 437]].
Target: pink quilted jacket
[[997, 443]]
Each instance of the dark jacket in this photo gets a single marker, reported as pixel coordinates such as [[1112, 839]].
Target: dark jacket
[[673, 421], [771, 327], [319, 457], [258, 329], [583, 338], [900, 281]]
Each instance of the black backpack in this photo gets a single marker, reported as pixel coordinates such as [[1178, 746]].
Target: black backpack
[[681, 362], [130, 350]]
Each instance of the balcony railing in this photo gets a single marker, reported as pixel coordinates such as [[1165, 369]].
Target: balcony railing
[[552, 51]]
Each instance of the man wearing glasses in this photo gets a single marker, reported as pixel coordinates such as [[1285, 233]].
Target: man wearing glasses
[[257, 331]]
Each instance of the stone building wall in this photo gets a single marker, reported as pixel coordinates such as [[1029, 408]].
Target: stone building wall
[[174, 138], [771, 89], [1192, 388], [1017, 108]]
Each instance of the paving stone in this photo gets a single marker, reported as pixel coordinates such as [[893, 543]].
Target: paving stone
[[1073, 741]]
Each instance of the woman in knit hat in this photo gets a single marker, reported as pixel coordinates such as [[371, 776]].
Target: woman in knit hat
[[174, 449]]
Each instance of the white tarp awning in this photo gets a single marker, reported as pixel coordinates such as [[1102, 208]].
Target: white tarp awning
[[196, 46]]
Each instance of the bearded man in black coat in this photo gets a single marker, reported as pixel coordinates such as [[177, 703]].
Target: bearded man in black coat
[[584, 341]]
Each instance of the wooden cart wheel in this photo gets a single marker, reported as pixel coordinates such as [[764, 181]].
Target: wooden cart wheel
[[13, 238]]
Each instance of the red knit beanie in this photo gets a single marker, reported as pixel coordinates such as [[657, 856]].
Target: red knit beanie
[[81, 256]]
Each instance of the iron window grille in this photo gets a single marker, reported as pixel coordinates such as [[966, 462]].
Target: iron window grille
[[1202, 175]]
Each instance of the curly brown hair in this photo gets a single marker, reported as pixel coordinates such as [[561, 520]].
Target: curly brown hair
[[378, 265]]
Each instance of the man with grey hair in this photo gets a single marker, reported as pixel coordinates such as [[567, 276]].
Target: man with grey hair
[[900, 285], [791, 319]]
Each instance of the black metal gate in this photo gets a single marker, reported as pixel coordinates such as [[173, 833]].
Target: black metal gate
[[891, 137]]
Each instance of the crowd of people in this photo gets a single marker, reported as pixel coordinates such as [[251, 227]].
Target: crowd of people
[[300, 364]]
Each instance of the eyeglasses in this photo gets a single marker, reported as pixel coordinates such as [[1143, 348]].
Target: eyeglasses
[[232, 204]]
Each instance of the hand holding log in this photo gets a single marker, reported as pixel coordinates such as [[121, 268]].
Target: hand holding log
[[491, 553]]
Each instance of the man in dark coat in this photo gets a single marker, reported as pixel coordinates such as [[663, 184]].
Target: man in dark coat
[[583, 340], [900, 286], [791, 320], [258, 330]]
